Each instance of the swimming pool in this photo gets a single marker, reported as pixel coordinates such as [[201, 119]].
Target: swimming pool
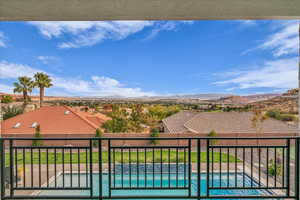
[[149, 182]]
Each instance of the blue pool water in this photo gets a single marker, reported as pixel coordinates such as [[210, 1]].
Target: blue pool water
[[157, 183]]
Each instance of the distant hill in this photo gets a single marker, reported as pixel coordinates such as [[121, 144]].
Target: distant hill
[[287, 102]]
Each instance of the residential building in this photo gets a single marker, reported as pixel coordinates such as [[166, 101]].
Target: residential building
[[224, 123], [53, 120]]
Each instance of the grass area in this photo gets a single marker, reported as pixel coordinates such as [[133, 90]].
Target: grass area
[[149, 157]]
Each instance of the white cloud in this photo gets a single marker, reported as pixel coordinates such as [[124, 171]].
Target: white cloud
[[284, 40], [95, 86], [2, 40], [46, 59], [98, 86], [165, 26], [6, 88], [247, 22], [277, 74], [90, 33], [12, 70]]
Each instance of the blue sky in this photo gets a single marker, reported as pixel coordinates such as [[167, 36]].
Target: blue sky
[[147, 58]]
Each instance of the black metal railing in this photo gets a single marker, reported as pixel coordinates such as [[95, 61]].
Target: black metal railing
[[138, 168]]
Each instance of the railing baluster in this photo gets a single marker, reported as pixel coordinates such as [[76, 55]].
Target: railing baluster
[[275, 162], [153, 166], [122, 163], [114, 166], [283, 168], [169, 166], [71, 167], [55, 181], [63, 167], [11, 164], [176, 167], [267, 158], [251, 163], [244, 157], [220, 166], [207, 167], [145, 169], [40, 170], [288, 154], [212, 166], [47, 166], [2, 164], [109, 168], [297, 167], [259, 168], [86, 168], [78, 166], [129, 167], [16, 169], [31, 166], [91, 168], [235, 166], [100, 167], [24, 167], [190, 168], [228, 167], [161, 166], [184, 166], [137, 167], [198, 168]]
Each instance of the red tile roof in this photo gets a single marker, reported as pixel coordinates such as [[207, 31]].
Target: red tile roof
[[55, 120]]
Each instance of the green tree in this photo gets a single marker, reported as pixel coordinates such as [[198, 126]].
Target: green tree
[[98, 135], [212, 134], [37, 135], [6, 99], [24, 86], [9, 112], [116, 125], [154, 134], [273, 113], [42, 81]]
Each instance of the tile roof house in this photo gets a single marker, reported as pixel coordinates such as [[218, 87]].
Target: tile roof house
[[54, 120], [223, 122]]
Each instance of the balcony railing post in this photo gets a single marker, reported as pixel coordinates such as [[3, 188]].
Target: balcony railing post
[[207, 167], [297, 169], [91, 167], [11, 168], [2, 163]]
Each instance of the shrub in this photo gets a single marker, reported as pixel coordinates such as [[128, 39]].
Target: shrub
[[154, 134], [37, 135], [98, 135], [212, 134], [273, 113], [6, 99], [9, 112], [274, 169], [287, 117]]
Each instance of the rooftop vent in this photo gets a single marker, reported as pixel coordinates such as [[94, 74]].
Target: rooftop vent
[[17, 125], [67, 112], [34, 124]]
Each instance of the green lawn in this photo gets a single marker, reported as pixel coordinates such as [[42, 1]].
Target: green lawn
[[149, 157]]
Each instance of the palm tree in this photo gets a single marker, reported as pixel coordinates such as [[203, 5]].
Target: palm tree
[[25, 86], [42, 81]]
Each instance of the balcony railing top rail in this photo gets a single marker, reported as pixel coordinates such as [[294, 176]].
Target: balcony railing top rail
[[150, 138]]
